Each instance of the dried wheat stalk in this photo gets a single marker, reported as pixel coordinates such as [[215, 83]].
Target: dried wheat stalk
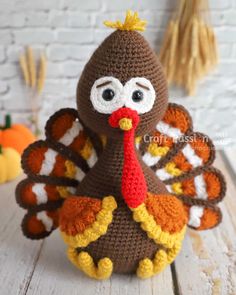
[[24, 69], [32, 67], [42, 73], [189, 49], [28, 68]]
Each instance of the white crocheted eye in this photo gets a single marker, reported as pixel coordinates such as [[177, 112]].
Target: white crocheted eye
[[139, 95], [106, 95]]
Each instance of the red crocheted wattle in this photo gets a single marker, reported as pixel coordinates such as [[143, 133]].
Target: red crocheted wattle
[[133, 183], [123, 113]]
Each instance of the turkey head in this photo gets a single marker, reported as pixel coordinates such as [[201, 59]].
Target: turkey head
[[123, 71]]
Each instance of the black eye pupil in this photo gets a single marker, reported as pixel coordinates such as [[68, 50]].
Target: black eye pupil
[[108, 94], [137, 96]]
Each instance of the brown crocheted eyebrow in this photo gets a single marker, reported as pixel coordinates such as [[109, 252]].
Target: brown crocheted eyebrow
[[143, 86], [104, 84]]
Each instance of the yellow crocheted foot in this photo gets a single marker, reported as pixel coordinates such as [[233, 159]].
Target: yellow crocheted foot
[[85, 263], [147, 267]]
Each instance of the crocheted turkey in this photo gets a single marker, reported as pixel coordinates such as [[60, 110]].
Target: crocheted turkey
[[124, 174]]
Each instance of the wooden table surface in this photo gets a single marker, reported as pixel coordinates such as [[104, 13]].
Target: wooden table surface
[[206, 264]]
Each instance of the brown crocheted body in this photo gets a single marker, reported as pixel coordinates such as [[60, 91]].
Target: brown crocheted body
[[123, 55], [125, 243]]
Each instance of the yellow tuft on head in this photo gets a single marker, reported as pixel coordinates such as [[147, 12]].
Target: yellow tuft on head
[[132, 23]]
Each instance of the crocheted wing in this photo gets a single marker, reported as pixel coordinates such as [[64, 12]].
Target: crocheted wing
[[54, 168], [183, 159]]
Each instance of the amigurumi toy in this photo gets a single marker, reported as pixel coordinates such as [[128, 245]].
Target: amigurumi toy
[[124, 174]]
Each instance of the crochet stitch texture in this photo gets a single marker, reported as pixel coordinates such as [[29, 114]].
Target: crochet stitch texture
[[124, 174]]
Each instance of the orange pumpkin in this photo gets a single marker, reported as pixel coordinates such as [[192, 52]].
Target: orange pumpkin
[[15, 136]]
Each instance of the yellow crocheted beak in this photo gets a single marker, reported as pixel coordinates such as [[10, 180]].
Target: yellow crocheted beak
[[125, 124]]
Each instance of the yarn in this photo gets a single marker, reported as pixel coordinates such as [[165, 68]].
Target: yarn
[[157, 151], [136, 148], [36, 224], [213, 185], [183, 188], [131, 23], [77, 214], [147, 267], [144, 87], [209, 218], [167, 211], [134, 188], [96, 96], [125, 124], [154, 230], [83, 220], [84, 262]]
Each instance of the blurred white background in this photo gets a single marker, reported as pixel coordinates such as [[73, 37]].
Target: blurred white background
[[68, 31]]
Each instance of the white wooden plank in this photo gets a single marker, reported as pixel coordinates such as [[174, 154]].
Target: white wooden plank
[[230, 177], [54, 274], [18, 255], [207, 261], [160, 284], [230, 154]]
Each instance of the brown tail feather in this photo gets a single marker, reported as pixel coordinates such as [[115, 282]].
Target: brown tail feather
[[202, 218], [199, 152], [207, 187], [37, 196], [38, 225], [200, 192], [41, 159], [65, 128], [182, 159], [165, 141], [54, 169]]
